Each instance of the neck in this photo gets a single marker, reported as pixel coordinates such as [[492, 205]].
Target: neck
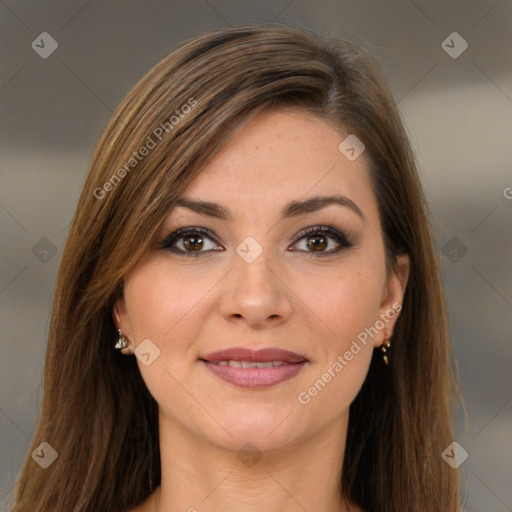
[[198, 476]]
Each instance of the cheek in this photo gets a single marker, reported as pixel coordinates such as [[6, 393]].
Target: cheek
[[169, 308], [347, 307], [161, 300], [346, 299], [164, 308]]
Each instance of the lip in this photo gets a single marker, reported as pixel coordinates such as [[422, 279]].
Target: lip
[[257, 356], [255, 378]]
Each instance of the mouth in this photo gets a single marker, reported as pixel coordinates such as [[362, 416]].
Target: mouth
[[254, 369]]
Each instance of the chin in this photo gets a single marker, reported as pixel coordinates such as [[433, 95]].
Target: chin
[[254, 440], [264, 428]]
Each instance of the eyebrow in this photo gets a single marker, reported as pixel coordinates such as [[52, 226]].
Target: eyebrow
[[291, 209]]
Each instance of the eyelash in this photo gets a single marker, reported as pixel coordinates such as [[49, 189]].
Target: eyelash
[[181, 233]]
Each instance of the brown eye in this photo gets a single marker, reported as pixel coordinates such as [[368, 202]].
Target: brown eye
[[193, 242], [315, 242], [321, 241]]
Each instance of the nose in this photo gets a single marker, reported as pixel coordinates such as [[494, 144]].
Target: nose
[[256, 293]]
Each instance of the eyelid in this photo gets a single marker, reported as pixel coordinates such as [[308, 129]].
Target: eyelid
[[167, 242], [338, 236], [335, 233]]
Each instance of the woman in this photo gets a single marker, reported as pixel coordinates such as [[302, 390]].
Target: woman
[[253, 237]]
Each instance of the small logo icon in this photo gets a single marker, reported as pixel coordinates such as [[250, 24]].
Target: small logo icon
[[44, 455], [44, 250], [454, 455], [454, 250], [146, 352], [249, 249], [507, 192], [351, 147], [249, 455], [454, 45], [44, 45]]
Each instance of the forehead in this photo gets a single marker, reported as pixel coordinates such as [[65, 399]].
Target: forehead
[[279, 156]]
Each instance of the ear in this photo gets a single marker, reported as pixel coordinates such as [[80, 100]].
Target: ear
[[121, 318], [393, 296]]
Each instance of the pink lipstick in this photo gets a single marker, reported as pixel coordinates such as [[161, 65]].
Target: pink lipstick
[[256, 369]]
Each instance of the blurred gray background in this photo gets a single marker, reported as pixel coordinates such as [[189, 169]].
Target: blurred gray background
[[458, 110]]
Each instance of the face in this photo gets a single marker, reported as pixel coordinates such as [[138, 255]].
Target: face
[[275, 272]]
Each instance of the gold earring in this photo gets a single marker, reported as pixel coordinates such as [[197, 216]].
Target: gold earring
[[385, 350]]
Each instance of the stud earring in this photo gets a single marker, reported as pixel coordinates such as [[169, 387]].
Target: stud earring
[[385, 350]]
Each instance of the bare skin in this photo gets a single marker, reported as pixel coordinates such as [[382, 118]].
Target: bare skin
[[290, 297]]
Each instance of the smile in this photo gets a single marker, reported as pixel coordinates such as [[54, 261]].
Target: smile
[[250, 364], [254, 369]]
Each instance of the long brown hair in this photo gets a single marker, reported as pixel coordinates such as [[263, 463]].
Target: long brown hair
[[96, 411]]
